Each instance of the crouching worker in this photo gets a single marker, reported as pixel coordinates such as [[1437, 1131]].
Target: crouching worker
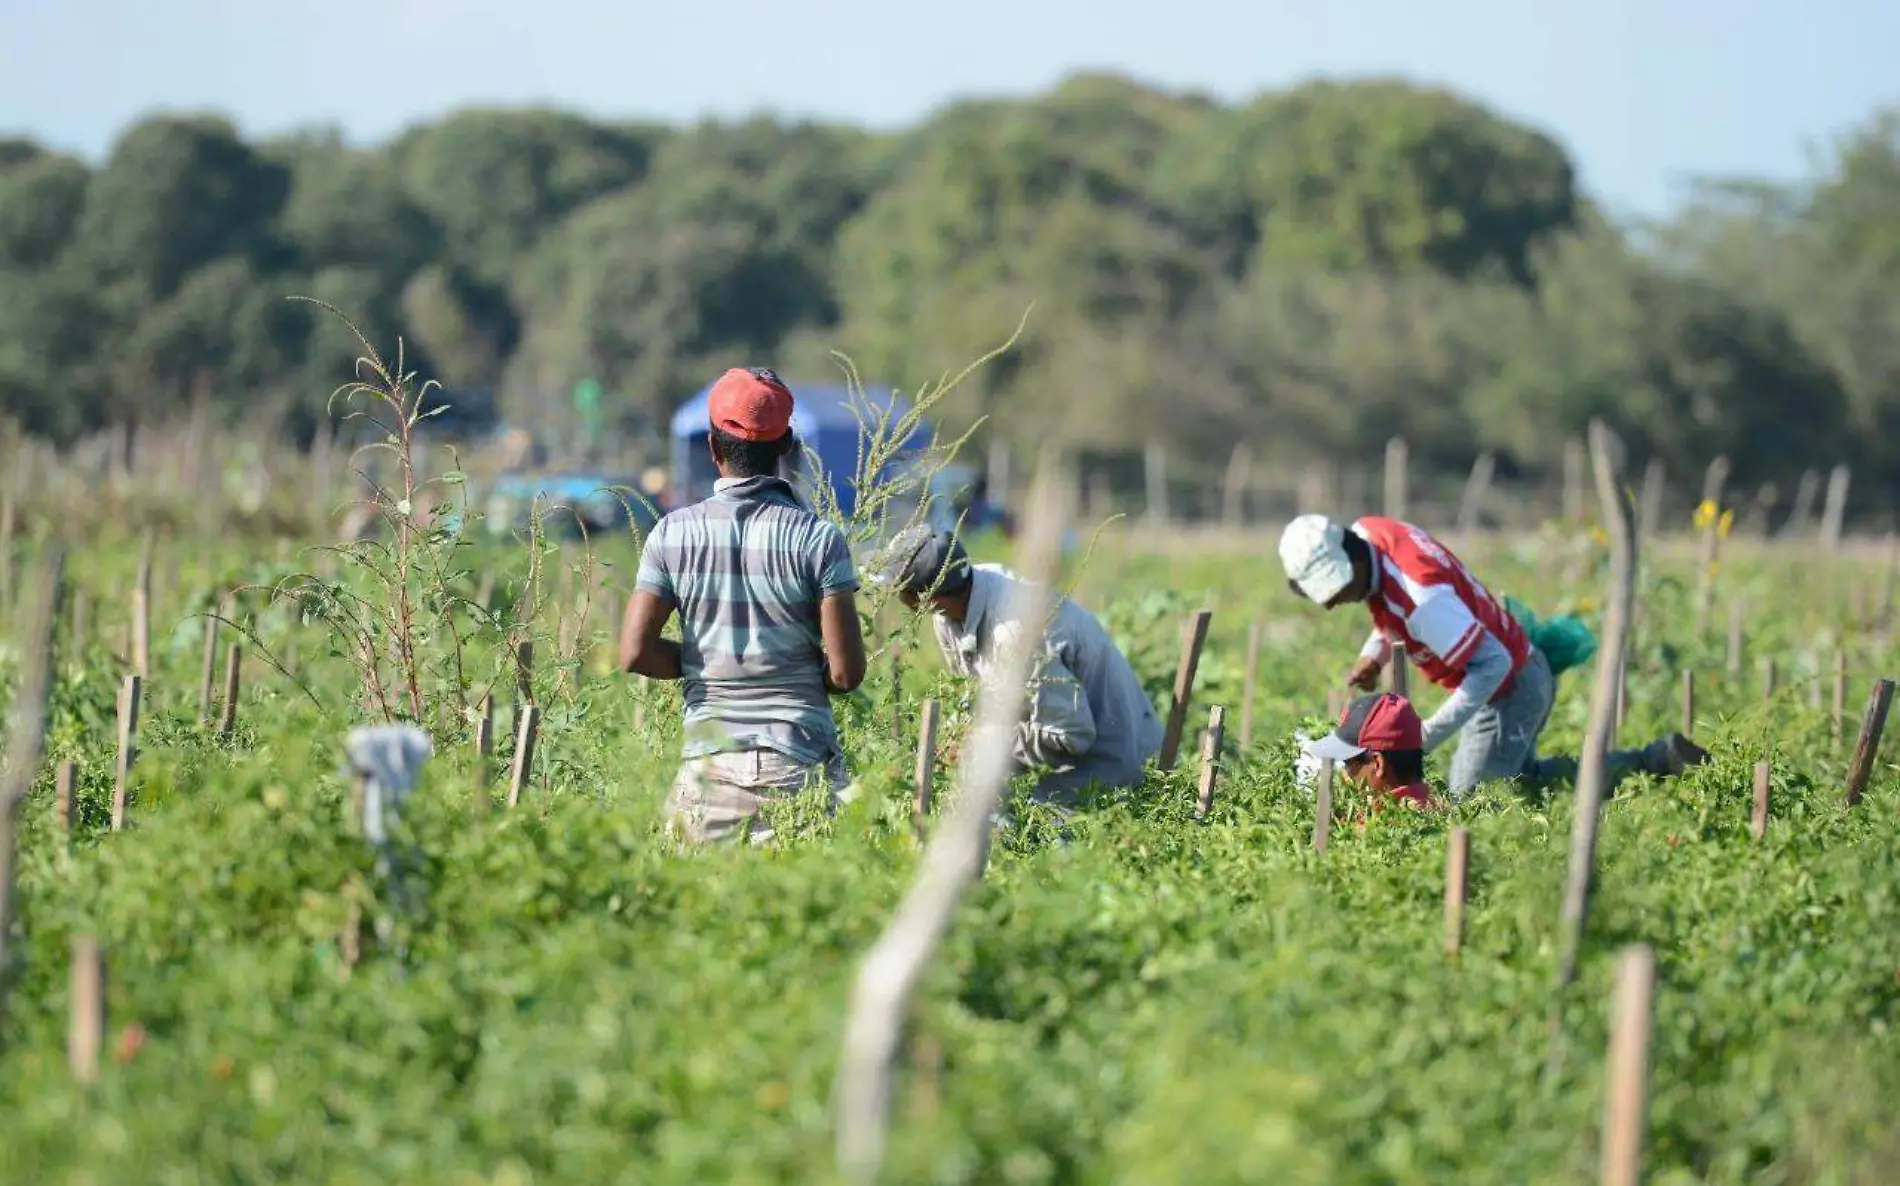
[[1089, 720], [1422, 598], [765, 592], [1380, 744]]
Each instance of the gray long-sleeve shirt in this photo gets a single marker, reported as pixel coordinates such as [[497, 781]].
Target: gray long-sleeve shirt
[[1089, 712]]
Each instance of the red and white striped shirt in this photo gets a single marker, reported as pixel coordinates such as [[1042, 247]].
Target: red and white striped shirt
[[1424, 599]]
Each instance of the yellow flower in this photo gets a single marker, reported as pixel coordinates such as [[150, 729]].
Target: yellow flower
[[1705, 514], [1598, 535], [1727, 521]]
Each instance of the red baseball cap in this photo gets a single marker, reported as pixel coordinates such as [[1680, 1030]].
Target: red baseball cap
[[1382, 722], [750, 403]]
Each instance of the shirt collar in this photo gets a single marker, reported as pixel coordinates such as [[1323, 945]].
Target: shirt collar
[[1378, 564], [982, 594], [752, 487]]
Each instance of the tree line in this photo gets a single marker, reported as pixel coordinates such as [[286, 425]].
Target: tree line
[[1311, 272]]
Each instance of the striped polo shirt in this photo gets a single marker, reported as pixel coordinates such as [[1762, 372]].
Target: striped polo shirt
[[747, 569]]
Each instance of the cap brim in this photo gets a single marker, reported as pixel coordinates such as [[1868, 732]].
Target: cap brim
[[1335, 747], [1322, 587]]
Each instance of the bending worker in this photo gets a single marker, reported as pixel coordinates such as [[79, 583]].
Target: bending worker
[[1421, 597], [1089, 719]]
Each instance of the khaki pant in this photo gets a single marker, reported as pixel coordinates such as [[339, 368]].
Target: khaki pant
[[717, 795]]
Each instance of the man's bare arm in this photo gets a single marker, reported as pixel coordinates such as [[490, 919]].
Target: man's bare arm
[[844, 642], [642, 650]]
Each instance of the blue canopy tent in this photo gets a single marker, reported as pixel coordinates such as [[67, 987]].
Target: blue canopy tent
[[830, 420]]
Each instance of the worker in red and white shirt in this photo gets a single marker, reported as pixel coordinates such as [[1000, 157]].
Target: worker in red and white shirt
[[1460, 637]]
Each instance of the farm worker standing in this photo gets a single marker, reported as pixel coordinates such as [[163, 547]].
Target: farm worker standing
[[1422, 598], [1380, 743], [768, 621], [1089, 719]]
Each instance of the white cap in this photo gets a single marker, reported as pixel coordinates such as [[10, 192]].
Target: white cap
[[1313, 551]]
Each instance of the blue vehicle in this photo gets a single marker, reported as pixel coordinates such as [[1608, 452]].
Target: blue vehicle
[[595, 504], [831, 421]]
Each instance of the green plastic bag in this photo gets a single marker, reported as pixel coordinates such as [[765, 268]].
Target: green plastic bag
[[1565, 640]]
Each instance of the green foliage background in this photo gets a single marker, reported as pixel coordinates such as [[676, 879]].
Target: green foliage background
[[1314, 269], [1157, 1001]]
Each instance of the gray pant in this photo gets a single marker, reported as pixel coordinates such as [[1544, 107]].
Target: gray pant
[[719, 796], [1500, 741]]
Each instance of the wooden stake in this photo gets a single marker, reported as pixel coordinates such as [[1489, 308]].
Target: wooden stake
[[1593, 767], [1625, 1105], [1247, 691], [1155, 462], [1758, 825], [1397, 454], [1457, 858], [65, 784], [129, 693], [1768, 673], [524, 670], [1649, 522], [86, 1028], [1688, 703], [233, 665], [1210, 760], [208, 675], [1835, 512], [1400, 673], [1737, 612], [1194, 637], [1323, 805], [1477, 490], [141, 633], [142, 610], [1872, 723], [926, 768], [484, 743], [524, 751], [890, 972]]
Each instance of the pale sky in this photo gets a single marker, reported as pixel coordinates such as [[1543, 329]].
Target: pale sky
[[1643, 94]]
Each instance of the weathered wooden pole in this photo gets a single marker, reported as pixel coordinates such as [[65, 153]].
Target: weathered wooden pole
[[524, 751], [1758, 823], [1626, 1099], [1593, 770], [1872, 723], [129, 694], [1477, 492], [1397, 483], [1210, 761], [1323, 805], [1194, 636], [1248, 686], [1457, 863], [233, 670], [1835, 514], [86, 1027]]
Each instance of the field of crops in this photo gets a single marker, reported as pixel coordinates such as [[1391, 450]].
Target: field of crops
[[1159, 999]]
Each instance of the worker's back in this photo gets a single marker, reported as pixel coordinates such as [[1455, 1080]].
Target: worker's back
[[748, 568]]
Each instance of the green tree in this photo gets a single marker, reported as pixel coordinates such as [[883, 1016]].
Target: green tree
[[496, 181], [175, 194], [40, 199]]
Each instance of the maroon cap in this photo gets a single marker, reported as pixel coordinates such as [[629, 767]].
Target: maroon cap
[[1382, 722], [750, 403]]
